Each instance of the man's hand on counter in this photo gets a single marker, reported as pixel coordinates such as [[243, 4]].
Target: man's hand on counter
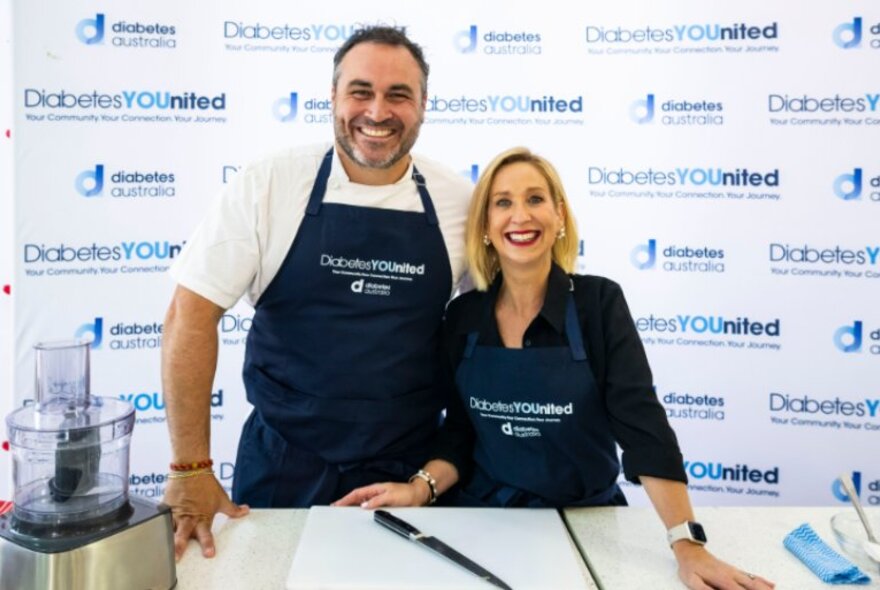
[[194, 502], [700, 570]]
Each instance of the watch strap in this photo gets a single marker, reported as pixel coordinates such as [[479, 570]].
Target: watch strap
[[687, 531]]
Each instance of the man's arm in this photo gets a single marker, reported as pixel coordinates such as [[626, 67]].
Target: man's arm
[[189, 361]]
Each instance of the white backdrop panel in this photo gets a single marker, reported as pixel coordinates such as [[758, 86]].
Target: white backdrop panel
[[729, 184]]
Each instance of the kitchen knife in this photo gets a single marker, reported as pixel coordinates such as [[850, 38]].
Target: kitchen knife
[[408, 531]]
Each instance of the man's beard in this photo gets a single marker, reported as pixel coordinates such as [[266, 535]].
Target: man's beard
[[344, 139]]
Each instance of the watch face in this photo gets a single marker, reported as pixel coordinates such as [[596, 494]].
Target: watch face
[[697, 531]]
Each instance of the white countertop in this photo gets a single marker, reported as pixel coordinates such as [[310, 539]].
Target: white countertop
[[626, 547], [253, 553]]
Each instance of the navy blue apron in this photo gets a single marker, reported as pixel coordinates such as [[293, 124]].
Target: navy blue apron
[[543, 438], [343, 359]]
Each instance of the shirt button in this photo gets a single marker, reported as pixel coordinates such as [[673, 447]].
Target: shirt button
[[528, 343]]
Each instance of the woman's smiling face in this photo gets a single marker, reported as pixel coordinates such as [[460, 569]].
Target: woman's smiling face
[[522, 219]]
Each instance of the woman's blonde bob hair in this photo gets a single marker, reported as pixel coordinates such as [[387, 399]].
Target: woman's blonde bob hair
[[482, 259]]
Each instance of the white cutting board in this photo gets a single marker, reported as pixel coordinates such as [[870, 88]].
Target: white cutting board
[[342, 548]]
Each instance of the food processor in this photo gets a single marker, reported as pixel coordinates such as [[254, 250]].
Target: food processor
[[73, 525]]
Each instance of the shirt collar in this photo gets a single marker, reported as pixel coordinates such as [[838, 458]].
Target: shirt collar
[[553, 310], [556, 299]]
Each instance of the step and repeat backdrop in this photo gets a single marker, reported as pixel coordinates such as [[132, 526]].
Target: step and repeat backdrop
[[721, 160]]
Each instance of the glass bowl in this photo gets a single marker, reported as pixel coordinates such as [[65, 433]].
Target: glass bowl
[[850, 535]]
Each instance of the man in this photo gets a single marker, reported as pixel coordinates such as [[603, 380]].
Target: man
[[349, 254]]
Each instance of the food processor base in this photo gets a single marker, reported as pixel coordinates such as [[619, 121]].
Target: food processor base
[[139, 554]]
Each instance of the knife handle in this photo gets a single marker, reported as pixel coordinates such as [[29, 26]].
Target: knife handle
[[398, 525]]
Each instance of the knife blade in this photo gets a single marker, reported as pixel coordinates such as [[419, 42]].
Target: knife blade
[[408, 531]]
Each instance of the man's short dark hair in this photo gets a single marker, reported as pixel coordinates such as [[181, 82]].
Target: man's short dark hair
[[385, 35]]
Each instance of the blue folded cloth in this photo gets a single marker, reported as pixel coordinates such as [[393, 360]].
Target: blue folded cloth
[[825, 562]]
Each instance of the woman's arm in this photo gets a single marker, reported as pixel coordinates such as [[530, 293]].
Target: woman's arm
[[452, 449], [637, 418], [697, 568], [651, 455], [415, 493]]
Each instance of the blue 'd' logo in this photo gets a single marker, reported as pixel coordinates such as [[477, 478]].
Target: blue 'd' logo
[[95, 329], [466, 41], [855, 332], [285, 108], [85, 24], [649, 251], [854, 179], [854, 29], [96, 177], [472, 173], [642, 111], [840, 493]]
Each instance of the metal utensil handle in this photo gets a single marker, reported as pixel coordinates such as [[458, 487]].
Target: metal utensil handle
[[850, 490], [398, 525]]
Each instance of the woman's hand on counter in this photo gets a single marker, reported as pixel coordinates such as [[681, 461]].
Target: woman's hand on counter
[[377, 495], [700, 570], [417, 492], [194, 502]]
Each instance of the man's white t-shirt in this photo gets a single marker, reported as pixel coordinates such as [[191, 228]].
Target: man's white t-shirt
[[240, 245]]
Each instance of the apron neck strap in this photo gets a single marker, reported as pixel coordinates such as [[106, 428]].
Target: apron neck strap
[[572, 330], [320, 188], [471, 344], [422, 187], [485, 316]]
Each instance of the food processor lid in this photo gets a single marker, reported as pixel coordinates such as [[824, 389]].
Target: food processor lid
[[63, 406], [59, 416], [58, 421]]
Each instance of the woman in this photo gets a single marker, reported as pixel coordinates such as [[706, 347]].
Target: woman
[[550, 373]]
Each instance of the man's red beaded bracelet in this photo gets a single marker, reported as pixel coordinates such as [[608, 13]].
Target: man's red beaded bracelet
[[192, 466]]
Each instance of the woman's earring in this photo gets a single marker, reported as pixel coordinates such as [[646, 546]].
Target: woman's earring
[[486, 239], [561, 233]]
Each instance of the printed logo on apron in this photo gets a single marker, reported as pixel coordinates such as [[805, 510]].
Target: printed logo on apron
[[343, 363], [542, 433], [376, 276], [522, 419]]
